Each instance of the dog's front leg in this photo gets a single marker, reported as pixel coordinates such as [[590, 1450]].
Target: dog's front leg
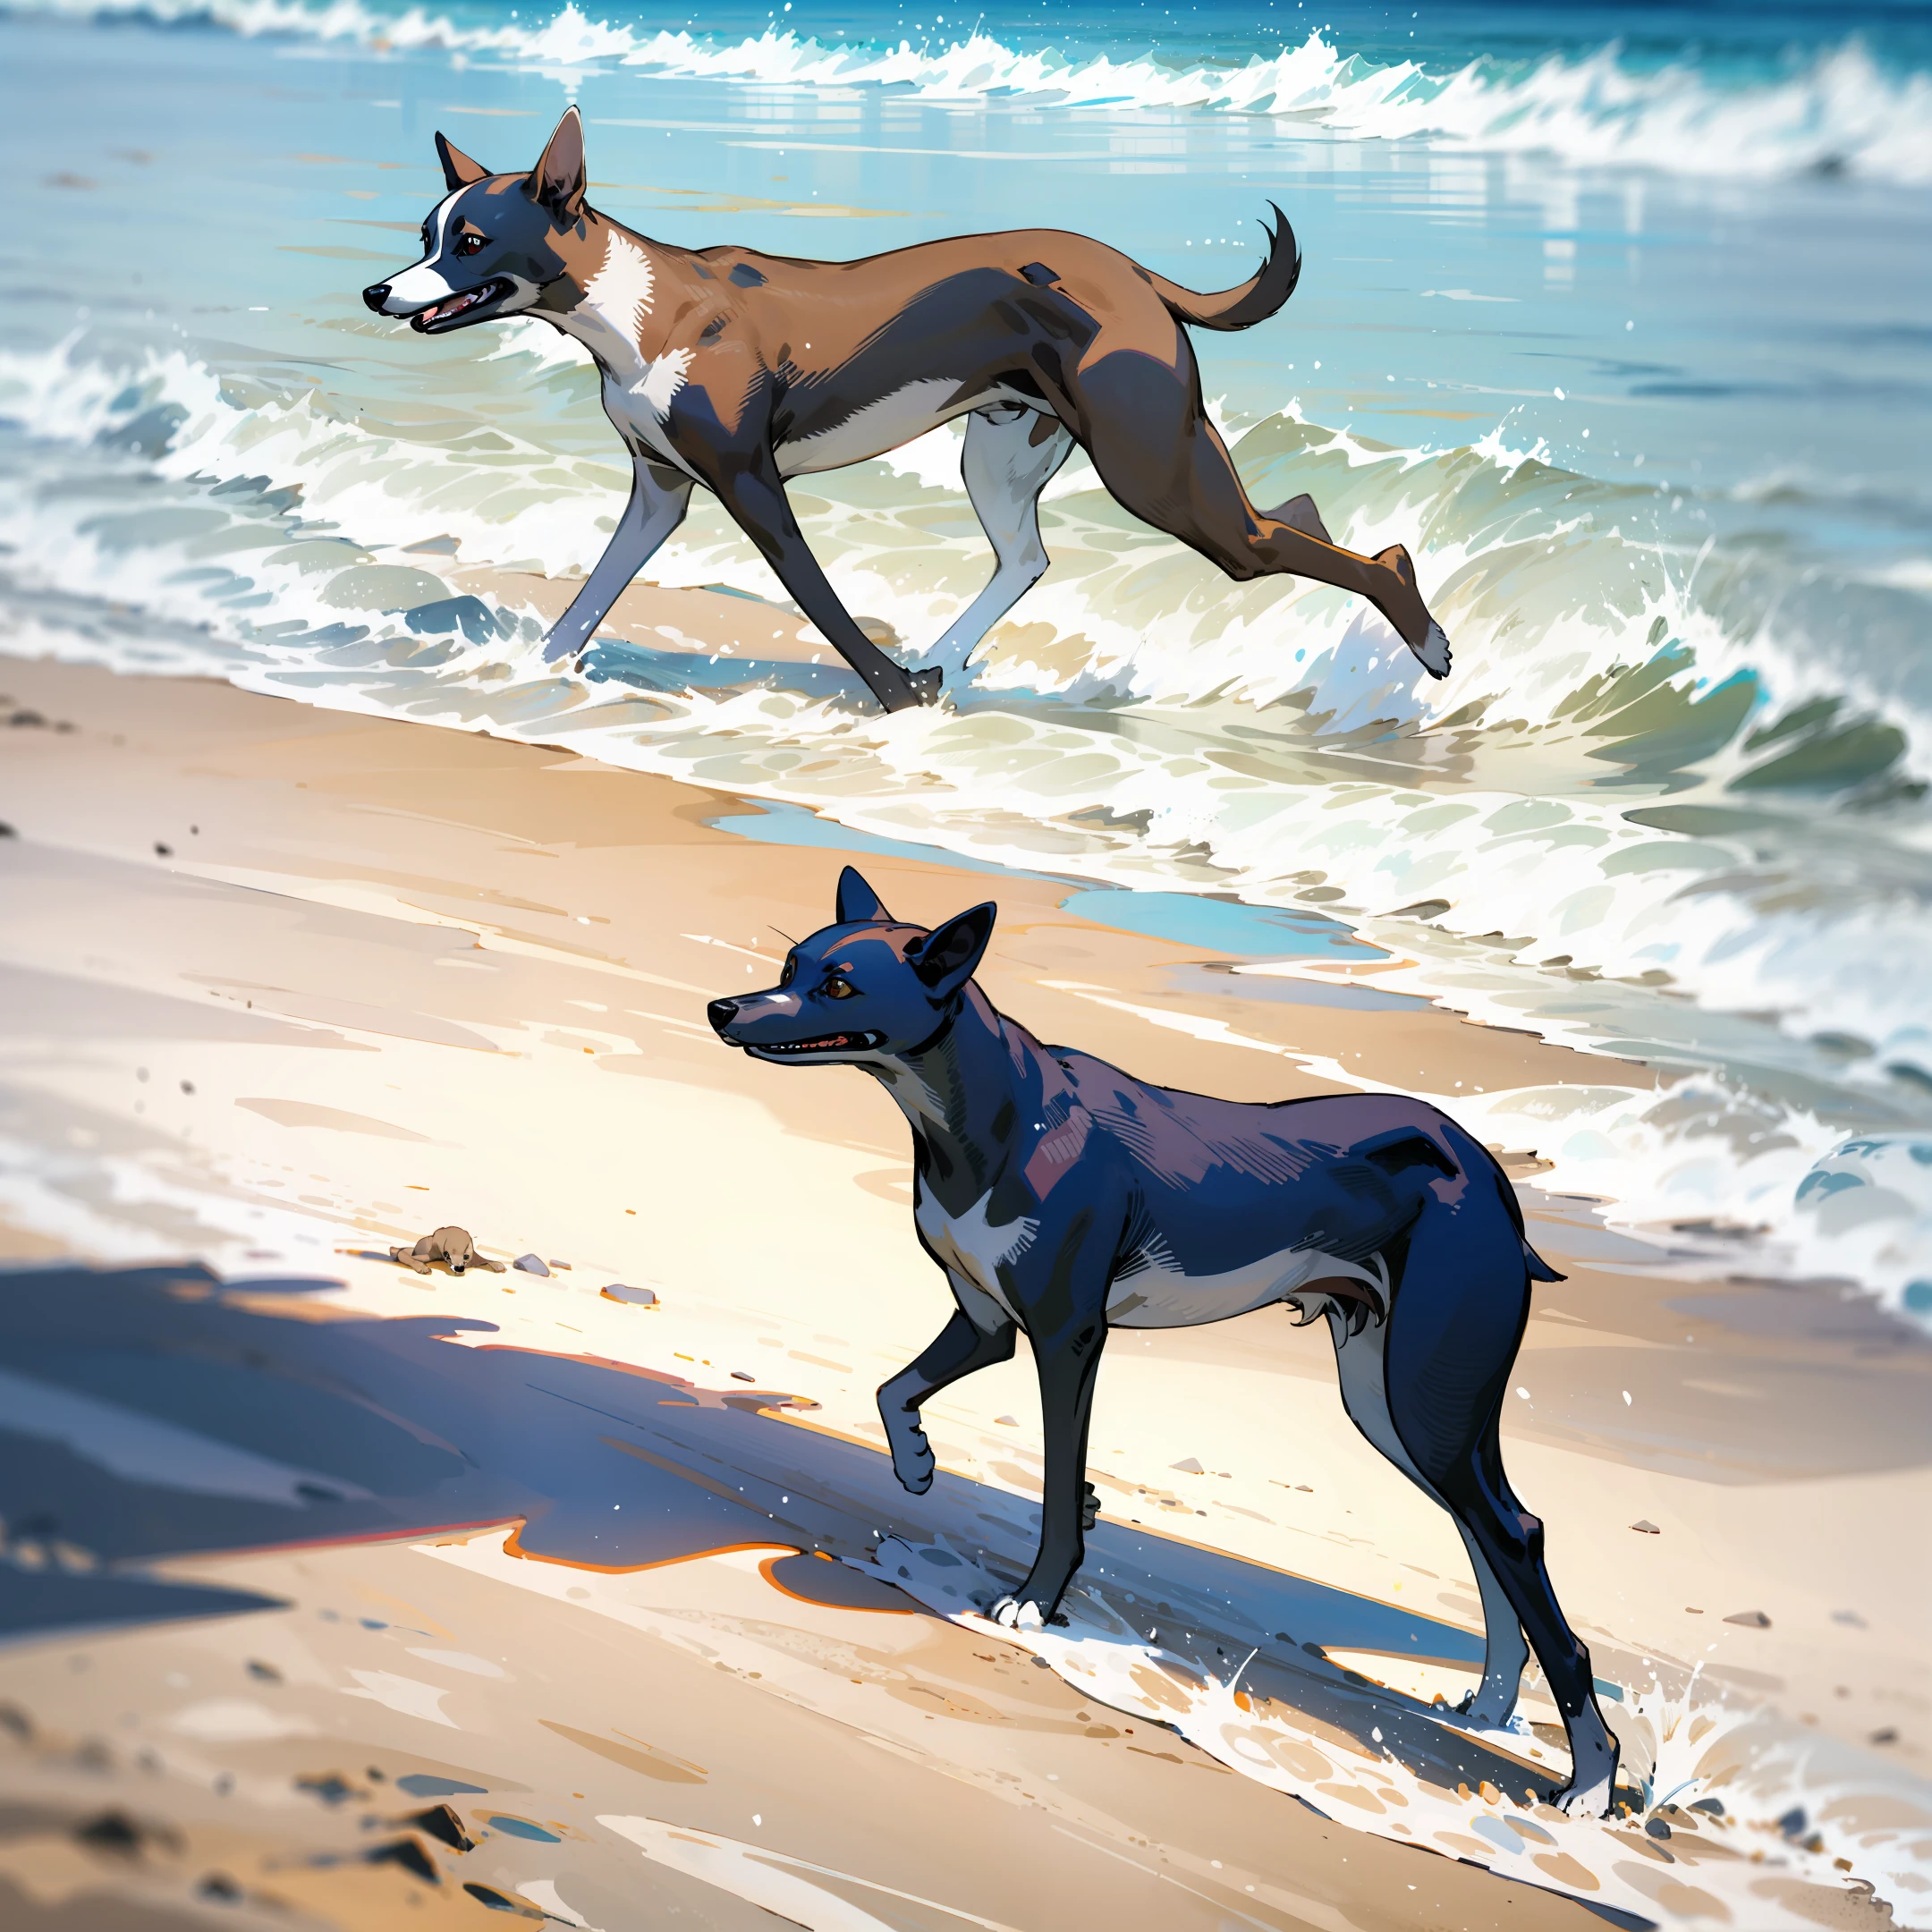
[[755, 496], [1067, 1368], [659, 496], [958, 1348]]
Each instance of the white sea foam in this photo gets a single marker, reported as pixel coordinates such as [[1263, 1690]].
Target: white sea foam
[[1752, 1866], [1842, 112], [1243, 697]]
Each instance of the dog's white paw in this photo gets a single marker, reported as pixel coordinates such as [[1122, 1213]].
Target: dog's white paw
[[1017, 1615], [1585, 1801], [1594, 1752], [1491, 1715], [1433, 651]]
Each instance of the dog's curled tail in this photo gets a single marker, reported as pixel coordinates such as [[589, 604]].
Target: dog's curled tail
[[1255, 301]]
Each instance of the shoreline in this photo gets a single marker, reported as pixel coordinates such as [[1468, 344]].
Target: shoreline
[[380, 964]]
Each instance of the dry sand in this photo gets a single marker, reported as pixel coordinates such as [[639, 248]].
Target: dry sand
[[281, 987]]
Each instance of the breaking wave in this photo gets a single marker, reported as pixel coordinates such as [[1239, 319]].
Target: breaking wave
[[1843, 112], [1621, 821]]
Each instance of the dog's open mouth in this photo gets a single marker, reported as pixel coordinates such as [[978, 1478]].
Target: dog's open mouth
[[824, 1042], [453, 306]]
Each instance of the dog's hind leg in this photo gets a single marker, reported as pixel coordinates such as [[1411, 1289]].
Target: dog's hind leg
[[1298, 512], [1011, 453], [1361, 1368], [958, 1348], [1506, 1651], [659, 496], [1142, 421], [1455, 1325]]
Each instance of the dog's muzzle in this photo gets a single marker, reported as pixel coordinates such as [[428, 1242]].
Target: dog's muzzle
[[823, 1043], [485, 295], [723, 1014]]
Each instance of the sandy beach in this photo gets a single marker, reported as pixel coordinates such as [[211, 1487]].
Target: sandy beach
[[338, 1596]]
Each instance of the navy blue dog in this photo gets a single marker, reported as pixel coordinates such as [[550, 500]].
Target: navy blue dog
[[1062, 1197]]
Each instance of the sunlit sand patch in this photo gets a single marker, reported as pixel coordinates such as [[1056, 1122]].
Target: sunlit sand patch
[[790, 1888]]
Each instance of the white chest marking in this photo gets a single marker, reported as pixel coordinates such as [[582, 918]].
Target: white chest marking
[[615, 302], [609, 322], [971, 1246], [666, 375]]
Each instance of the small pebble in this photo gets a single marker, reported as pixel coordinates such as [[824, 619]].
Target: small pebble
[[738, 1375], [1006, 1421], [636, 1297], [531, 1265], [1190, 1466], [1647, 1527], [1750, 1620]]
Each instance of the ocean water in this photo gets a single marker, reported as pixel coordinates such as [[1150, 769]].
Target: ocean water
[[1618, 317]]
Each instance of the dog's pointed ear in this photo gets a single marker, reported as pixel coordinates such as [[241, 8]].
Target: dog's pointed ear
[[459, 171], [557, 181], [947, 959], [856, 902]]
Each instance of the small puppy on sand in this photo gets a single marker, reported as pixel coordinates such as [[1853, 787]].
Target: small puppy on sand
[[450, 1245]]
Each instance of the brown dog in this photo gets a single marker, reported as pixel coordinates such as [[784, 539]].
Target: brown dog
[[451, 1245], [738, 370]]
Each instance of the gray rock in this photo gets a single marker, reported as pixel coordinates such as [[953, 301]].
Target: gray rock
[[530, 1264], [1647, 1527], [1750, 1620], [1190, 1467], [636, 1297]]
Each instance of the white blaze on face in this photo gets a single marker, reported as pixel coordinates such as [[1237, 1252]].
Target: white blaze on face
[[424, 282]]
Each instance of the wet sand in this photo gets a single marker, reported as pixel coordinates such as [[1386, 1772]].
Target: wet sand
[[281, 987]]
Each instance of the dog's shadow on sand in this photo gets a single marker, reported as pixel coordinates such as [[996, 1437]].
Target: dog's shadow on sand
[[154, 1413]]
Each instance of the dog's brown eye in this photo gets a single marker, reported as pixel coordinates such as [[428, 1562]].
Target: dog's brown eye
[[836, 988], [472, 244], [791, 970]]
